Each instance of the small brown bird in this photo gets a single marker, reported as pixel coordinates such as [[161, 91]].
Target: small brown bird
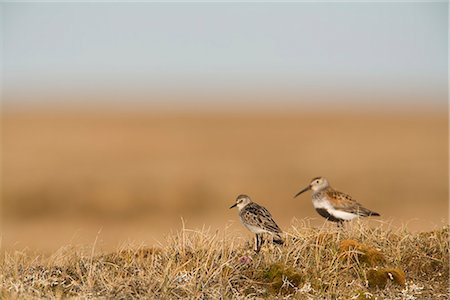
[[258, 220], [333, 205]]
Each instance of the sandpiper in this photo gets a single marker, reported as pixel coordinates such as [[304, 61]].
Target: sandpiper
[[258, 220], [333, 205]]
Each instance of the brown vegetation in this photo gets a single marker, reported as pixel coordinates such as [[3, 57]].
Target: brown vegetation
[[201, 264]]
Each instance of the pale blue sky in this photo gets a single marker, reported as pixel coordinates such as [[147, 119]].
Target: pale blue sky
[[302, 47]]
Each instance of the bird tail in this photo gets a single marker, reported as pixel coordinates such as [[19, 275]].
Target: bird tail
[[367, 212], [277, 239]]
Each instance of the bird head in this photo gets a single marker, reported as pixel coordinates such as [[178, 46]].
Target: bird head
[[316, 184], [241, 201]]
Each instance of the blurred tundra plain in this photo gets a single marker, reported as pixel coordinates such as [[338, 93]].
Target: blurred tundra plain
[[135, 175]]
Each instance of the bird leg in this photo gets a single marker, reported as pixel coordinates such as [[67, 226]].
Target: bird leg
[[258, 241]]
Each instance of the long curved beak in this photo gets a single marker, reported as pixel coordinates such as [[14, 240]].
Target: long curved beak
[[302, 191], [234, 205]]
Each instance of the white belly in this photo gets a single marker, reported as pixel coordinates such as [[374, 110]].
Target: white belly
[[255, 229], [324, 204]]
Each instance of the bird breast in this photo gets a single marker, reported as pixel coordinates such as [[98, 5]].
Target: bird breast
[[320, 201]]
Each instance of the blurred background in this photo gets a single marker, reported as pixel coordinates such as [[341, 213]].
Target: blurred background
[[126, 117]]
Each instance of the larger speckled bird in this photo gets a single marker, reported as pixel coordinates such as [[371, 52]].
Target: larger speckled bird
[[258, 220], [333, 205]]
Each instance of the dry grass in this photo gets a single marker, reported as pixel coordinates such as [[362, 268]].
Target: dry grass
[[314, 263]]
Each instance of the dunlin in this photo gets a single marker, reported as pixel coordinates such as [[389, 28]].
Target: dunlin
[[258, 220], [333, 205]]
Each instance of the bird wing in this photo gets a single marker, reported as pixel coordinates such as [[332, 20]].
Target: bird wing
[[256, 215], [346, 203]]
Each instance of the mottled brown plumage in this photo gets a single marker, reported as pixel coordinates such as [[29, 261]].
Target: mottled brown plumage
[[258, 220], [344, 202], [333, 205], [254, 214]]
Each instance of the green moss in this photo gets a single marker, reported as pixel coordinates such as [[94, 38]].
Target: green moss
[[274, 271], [378, 278], [277, 274]]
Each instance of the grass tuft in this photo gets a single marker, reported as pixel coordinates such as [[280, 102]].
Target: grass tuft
[[201, 264]]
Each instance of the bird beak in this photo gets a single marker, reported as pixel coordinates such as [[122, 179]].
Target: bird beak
[[234, 205], [302, 191]]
